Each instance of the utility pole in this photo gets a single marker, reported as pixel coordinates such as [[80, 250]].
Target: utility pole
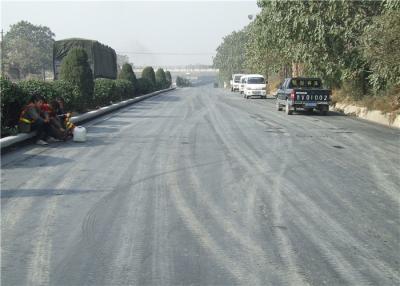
[[2, 54]]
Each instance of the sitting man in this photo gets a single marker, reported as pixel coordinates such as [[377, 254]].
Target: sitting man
[[33, 118]]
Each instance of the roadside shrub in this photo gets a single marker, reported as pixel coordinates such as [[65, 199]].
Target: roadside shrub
[[124, 89], [145, 86], [104, 92], [168, 78], [75, 69], [12, 101], [148, 73], [127, 73], [69, 92], [161, 80], [182, 82], [45, 89]]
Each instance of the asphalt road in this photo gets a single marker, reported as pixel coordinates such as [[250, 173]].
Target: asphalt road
[[199, 186]]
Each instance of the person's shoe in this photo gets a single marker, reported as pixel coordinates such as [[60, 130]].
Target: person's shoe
[[42, 142], [52, 139]]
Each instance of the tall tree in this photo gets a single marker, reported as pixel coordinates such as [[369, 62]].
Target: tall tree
[[28, 48], [127, 73], [148, 73], [75, 69], [168, 78], [230, 55], [161, 80]]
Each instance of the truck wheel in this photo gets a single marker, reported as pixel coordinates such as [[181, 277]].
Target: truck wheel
[[287, 109], [278, 106]]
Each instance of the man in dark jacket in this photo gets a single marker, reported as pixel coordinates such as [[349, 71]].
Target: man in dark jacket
[[33, 118]]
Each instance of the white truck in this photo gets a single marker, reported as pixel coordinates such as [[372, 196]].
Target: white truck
[[242, 84], [235, 81], [255, 86]]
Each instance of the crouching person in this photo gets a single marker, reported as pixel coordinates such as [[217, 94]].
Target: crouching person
[[32, 118]]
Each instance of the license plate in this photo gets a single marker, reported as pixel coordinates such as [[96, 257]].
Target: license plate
[[256, 92], [311, 104]]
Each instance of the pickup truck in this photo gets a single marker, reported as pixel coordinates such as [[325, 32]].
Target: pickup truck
[[303, 93]]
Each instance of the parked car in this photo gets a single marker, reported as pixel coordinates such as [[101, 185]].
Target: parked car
[[242, 83], [235, 82], [255, 86], [303, 93]]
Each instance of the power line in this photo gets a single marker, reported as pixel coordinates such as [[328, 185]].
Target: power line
[[166, 53]]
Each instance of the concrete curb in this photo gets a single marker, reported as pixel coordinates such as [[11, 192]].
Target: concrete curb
[[375, 116], [12, 140]]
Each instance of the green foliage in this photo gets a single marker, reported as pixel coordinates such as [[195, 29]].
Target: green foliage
[[381, 42], [76, 70], [148, 73], [105, 91], [182, 82], [12, 100], [168, 78], [347, 43], [161, 80], [68, 92], [145, 86], [44, 88], [231, 55], [28, 49], [127, 73], [124, 89]]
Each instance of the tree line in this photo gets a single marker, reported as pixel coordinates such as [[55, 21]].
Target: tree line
[[352, 45]]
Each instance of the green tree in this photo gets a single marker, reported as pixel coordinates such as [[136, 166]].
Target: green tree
[[75, 69], [168, 78], [230, 57], [127, 73], [28, 49], [161, 80], [148, 73], [381, 42]]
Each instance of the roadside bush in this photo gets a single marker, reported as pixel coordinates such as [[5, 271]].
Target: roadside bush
[[168, 78], [69, 92], [105, 91], [45, 89], [127, 73], [12, 100], [145, 86], [149, 74], [124, 89], [75, 69], [182, 82], [161, 80]]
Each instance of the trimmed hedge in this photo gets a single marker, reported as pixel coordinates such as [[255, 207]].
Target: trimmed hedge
[[15, 95], [145, 86], [106, 91]]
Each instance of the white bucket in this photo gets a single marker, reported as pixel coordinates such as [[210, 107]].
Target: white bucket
[[79, 134]]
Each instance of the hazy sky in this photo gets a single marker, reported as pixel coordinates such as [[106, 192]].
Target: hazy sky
[[192, 29]]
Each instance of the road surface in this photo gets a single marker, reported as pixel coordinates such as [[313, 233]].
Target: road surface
[[199, 186]]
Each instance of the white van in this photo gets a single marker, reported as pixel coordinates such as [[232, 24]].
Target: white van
[[235, 82], [242, 83], [255, 86]]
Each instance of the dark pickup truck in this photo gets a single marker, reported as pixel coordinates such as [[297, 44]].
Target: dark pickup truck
[[303, 93]]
